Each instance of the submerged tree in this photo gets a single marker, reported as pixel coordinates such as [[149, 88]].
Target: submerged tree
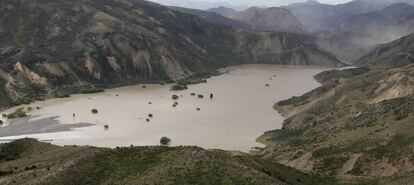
[[94, 111], [175, 97], [165, 140]]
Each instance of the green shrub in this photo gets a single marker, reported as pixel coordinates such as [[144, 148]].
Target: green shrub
[[165, 140], [192, 81], [24, 100], [4, 173], [175, 97], [91, 90], [179, 87], [175, 104], [62, 95], [332, 163], [200, 96], [18, 113]]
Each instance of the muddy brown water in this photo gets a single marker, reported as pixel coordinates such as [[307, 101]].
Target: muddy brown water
[[240, 111]]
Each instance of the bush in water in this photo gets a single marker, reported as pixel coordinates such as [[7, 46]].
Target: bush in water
[[165, 140], [94, 111], [175, 97]]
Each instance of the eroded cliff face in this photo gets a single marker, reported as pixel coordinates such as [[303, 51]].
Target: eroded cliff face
[[52, 44]]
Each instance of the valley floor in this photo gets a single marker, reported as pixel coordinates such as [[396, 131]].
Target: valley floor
[[239, 112]]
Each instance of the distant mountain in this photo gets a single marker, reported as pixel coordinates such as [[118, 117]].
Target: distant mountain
[[264, 19], [317, 16], [214, 17], [47, 46], [224, 11], [342, 44], [396, 53], [382, 26], [352, 29], [199, 4]]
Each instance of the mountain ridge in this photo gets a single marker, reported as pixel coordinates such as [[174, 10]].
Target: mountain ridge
[[382, 26], [264, 19], [48, 45]]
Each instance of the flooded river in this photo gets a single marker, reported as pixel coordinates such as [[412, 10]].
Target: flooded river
[[240, 111]]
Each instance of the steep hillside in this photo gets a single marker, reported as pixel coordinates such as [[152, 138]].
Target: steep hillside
[[396, 53], [384, 25], [28, 161], [318, 16], [46, 45], [360, 122], [344, 45], [356, 124], [265, 19]]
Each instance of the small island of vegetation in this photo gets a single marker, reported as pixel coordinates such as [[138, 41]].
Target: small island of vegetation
[[91, 90], [18, 113]]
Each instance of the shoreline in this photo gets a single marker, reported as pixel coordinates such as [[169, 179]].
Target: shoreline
[[111, 91]]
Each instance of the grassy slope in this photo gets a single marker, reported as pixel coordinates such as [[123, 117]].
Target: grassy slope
[[28, 161], [347, 122]]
